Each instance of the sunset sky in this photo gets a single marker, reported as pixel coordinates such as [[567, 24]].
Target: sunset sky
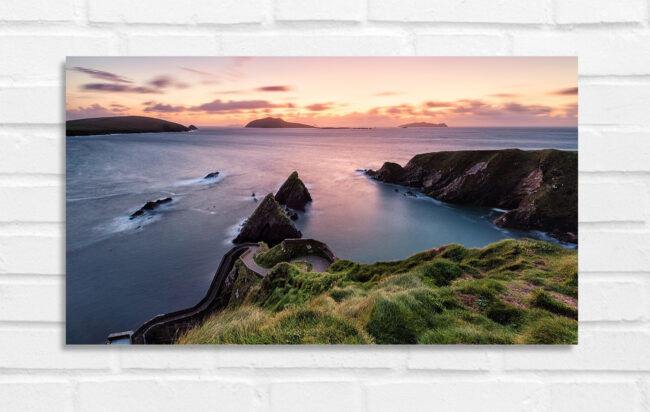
[[327, 91]]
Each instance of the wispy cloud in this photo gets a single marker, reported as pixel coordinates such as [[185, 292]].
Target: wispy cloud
[[504, 95], [206, 77], [164, 81], [566, 92], [215, 106], [96, 110], [434, 104], [319, 107], [274, 89], [387, 93], [118, 88], [100, 74]]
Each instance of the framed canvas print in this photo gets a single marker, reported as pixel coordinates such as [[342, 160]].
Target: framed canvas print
[[321, 200]]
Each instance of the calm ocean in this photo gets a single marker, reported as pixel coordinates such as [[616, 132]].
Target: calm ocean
[[122, 272]]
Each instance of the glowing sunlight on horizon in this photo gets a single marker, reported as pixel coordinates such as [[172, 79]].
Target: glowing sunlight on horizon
[[328, 91]]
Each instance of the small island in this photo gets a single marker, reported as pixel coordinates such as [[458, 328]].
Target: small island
[[276, 123], [121, 125], [423, 124]]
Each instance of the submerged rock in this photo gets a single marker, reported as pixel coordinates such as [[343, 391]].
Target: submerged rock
[[268, 223], [211, 175], [293, 193], [149, 206], [538, 188]]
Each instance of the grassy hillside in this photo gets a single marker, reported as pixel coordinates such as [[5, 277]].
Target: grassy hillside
[[513, 291]]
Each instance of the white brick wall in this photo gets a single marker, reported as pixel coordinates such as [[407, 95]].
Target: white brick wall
[[610, 368]]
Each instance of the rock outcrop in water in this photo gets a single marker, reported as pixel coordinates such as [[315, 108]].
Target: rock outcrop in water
[[211, 175], [120, 125], [149, 206], [192, 127], [276, 122], [293, 193], [268, 223], [538, 187]]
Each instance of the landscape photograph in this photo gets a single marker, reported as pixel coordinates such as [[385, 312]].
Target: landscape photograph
[[321, 200]]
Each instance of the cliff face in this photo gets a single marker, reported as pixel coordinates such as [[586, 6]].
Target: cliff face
[[293, 193], [268, 223], [539, 187]]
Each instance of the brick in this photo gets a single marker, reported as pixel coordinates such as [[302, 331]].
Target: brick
[[470, 11], [611, 301], [42, 58], [595, 396], [308, 357], [45, 104], [45, 349], [36, 396], [460, 45], [36, 10], [618, 201], [169, 11], [448, 358], [148, 357], [165, 395], [613, 251], [320, 396], [599, 11], [305, 45], [590, 46], [17, 301], [166, 45], [597, 350], [457, 396], [618, 104], [26, 204], [339, 10], [619, 151], [29, 151], [32, 254]]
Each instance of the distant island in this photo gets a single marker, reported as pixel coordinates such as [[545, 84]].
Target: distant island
[[423, 124], [122, 124], [276, 123]]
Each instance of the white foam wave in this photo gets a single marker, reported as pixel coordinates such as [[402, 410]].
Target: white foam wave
[[203, 181], [233, 231]]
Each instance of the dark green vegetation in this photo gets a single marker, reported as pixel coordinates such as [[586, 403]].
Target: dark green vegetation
[[286, 251], [538, 187], [512, 292], [121, 124], [275, 123]]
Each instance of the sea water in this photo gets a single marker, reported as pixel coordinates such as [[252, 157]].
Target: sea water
[[121, 271]]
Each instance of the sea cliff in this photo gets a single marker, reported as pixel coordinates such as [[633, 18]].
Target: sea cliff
[[538, 188]]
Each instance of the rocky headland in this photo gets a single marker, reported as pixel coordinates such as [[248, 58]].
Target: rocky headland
[[293, 193], [268, 223], [122, 124], [538, 188]]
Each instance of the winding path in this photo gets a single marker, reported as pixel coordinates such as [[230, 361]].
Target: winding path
[[165, 328]]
